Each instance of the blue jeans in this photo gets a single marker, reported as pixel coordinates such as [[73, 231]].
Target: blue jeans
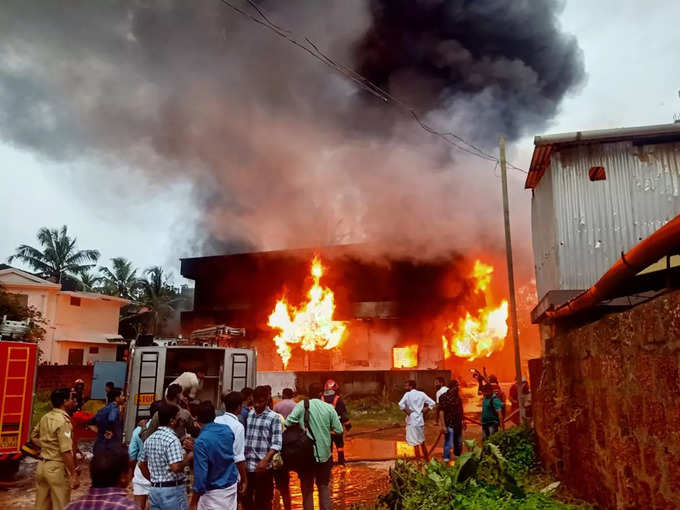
[[453, 439], [168, 498]]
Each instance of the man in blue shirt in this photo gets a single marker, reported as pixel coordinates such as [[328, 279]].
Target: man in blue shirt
[[216, 475], [108, 423]]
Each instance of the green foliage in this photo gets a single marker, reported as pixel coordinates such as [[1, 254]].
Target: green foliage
[[482, 478], [58, 258], [518, 446], [41, 406]]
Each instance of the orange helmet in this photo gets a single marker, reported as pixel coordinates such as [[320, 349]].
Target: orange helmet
[[331, 385]]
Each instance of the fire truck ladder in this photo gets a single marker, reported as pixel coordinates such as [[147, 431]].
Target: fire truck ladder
[[148, 371], [15, 356]]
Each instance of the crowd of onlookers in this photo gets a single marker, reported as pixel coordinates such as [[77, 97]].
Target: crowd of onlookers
[[187, 454]]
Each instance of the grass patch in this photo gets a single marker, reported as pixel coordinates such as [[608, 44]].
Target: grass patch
[[371, 412]]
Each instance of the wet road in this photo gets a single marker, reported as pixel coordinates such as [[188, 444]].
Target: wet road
[[358, 482]]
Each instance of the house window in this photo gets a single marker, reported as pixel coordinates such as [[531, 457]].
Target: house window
[[19, 299], [94, 350], [75, 301], [75, 356], [597, 173]]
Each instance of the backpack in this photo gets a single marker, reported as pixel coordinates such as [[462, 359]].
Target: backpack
[[298, 449]]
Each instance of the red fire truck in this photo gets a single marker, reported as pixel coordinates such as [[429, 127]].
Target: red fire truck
[[17, 380]]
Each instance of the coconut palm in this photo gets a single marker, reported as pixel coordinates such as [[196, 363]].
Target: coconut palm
[[121, 280], [88, 281], [157, 298], [58, 258]]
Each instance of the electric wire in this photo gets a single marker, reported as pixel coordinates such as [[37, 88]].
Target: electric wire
[[313, 50]]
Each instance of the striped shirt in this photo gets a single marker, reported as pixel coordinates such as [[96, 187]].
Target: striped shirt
[[107, 498]]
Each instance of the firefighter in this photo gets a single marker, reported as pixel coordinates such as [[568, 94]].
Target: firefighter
[[331, 396], [56, 473]]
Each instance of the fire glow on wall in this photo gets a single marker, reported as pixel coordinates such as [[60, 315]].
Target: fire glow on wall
[[405, 357]]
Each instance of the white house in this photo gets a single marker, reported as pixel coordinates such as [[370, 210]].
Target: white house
[[81, 327]]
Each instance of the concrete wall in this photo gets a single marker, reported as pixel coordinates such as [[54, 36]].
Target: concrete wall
[[52, 377], [104, 352], [607, 410], [94, 317]]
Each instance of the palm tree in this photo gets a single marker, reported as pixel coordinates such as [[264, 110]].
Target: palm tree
[[88, 281], [121, 280], [59, 258], [157, 297]]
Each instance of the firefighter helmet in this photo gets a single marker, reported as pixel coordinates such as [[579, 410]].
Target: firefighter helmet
[[331, 385]]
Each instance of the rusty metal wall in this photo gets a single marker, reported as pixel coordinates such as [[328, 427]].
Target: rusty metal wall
[[595, 221]]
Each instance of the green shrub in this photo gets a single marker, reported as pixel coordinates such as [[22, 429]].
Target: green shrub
[[482, 478], [518, 446]]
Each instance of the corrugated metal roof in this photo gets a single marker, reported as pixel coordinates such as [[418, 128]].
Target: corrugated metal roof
[[596, 221], [545, 145]]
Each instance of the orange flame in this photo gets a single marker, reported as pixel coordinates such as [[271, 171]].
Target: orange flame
[[405, 357], [484, 332], [311, 325]]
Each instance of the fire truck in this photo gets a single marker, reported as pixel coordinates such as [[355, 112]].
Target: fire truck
[[210, 351], [17, 380]]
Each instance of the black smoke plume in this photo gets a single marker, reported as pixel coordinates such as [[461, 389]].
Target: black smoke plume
[[280, 151]]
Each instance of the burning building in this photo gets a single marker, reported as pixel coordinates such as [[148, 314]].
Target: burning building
[[368, 320]]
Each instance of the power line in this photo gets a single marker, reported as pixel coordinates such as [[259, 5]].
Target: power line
[[449, 137]]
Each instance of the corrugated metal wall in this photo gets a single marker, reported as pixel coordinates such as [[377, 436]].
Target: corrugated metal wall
[[596, 221]]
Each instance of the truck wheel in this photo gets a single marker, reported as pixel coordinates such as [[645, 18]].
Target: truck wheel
[[9, 469]]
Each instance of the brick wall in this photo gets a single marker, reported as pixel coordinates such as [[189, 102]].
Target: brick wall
[[51, 377], [607, 410]]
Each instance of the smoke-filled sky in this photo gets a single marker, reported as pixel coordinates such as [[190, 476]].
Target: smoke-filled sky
[[161, 129]]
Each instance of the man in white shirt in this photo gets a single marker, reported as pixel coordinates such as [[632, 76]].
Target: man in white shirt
[[232, 407], [440, 388], [413, 403], [190, 383]]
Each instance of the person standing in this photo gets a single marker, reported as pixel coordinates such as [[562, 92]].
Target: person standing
[[323, 419], [78, 394], [491, 409], [56, 473], [514, 401], [439, 388], [108, 422], [263, 440], [232, 409], [184, 422], [286, 404], [162, 462], [451, 406], [109, 472], [414, 403], [247, 394], [140, 485], [216, 474], [331, 396]]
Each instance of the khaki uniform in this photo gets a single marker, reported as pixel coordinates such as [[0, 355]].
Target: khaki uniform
[[54, 435]]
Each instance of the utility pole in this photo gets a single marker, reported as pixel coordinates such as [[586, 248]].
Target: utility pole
[[511, 283]]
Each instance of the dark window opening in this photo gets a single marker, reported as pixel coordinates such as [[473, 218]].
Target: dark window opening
[[75, 356], [94, 350], [75, 301], [597, 173]]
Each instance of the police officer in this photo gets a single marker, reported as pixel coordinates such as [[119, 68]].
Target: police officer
[[331, 396], [56, 473]]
